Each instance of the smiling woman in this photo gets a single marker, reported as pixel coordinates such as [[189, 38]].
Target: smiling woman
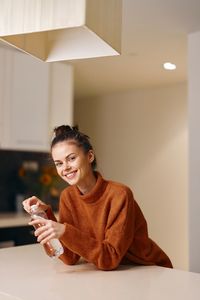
[[99, 219]]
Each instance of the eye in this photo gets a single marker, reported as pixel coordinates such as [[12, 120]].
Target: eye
[[71, 158], [58, 164]]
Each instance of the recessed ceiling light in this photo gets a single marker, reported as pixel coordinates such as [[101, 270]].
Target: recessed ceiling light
[[169, 66]]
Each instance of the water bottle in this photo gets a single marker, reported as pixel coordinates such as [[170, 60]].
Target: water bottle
[[54, 247]]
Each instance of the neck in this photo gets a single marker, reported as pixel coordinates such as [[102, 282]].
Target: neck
[[88, 185]]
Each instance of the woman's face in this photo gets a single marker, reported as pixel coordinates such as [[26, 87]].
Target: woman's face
[[72, 163]]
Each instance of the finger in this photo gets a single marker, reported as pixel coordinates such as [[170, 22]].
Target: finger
[[47, 239], [28, 202], [38, 219], [41, 227], [38, 222], [40, 230], [43, 222], [32, 200], [46, 235]]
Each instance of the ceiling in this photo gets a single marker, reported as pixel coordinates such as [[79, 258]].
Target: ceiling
[[153, 31]]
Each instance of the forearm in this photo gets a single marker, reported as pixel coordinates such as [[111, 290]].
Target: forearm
[[106, 255], [69, 257]]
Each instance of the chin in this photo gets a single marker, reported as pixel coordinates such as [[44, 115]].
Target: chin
[[71, 182]]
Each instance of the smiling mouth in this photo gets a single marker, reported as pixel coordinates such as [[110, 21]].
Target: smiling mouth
[[71, 175]]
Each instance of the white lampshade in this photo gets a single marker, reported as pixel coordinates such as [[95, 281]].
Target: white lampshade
[[57, 30]]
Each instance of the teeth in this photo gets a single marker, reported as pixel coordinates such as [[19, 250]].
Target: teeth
[[70, 175]]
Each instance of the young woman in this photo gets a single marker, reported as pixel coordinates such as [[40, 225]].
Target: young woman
[[99, 220]]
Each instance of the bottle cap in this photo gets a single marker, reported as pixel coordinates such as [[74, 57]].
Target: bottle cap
[[34, 208]]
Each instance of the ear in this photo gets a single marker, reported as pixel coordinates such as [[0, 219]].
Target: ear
[[90, 156]]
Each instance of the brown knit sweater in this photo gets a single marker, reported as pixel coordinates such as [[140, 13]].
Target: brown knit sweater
[[106, 227]]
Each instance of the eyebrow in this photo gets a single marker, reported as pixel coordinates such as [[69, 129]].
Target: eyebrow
[[66, 157]]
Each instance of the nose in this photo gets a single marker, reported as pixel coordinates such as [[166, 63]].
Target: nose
[[66, 166]]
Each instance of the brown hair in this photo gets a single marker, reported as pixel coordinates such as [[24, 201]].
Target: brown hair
[[65, 133]]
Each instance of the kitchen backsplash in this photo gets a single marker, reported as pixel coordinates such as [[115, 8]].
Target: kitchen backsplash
[[23, 174]]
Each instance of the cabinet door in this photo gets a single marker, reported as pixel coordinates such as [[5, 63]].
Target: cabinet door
[[26, 125], [34, 98]]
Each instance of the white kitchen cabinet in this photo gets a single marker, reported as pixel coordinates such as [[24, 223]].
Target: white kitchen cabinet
[[34, 97]]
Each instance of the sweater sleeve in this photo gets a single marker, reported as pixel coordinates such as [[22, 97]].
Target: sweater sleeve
[[50, 214], [106, 254], [69, 257]]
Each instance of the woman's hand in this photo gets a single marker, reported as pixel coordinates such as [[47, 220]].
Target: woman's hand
[[49, 230], [31, 201]]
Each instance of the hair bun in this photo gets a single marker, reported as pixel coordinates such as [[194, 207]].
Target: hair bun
[[75, 128], [64, 129]]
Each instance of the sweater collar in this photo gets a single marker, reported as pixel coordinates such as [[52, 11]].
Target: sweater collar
[[95, 193]]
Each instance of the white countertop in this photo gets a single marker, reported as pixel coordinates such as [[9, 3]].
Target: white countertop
[[27, 273], [15, 219]]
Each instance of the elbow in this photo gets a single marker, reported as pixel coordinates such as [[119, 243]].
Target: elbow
[[68, 261], [107, 266], [108, 259]]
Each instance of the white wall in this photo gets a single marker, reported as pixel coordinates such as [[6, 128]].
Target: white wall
[[194, 150], [140, 139], [61, 95]]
